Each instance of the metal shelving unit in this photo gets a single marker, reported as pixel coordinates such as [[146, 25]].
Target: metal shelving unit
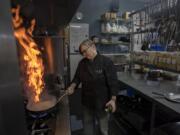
[[112, 35], [115, 54], [116, 33], [147, 21], [113, 30], [156, 67], [114, 43]]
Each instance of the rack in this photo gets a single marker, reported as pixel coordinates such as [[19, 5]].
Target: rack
[[114, 26], [157, 67], [112, 29], [115, 38], [114, 43], [115, 54], [116, 33], [156, 25], [158, 60], [157, 22]]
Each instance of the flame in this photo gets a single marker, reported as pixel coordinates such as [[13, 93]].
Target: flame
[[32, 56]]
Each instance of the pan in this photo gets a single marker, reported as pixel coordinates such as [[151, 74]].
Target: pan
[[169, 96], [45, 106]]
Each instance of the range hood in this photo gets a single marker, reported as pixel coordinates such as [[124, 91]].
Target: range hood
[[51, 15]]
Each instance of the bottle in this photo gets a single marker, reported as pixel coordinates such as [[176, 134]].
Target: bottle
[[114, 27], [108, 27], [108, 109]]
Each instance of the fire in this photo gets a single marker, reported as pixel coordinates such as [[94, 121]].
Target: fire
[[32, 57]]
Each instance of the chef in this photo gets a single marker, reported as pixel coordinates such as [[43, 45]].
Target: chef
[[99, 87]]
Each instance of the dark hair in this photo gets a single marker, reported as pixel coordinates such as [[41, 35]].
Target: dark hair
[[92, 37], [87, 43]]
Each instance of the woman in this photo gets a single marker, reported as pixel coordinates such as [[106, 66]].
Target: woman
[[99, 87]]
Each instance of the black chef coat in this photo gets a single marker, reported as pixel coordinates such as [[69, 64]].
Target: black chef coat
[[99, 81]]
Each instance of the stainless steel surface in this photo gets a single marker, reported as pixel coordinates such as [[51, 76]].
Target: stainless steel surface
[[63, 118], [11, 101], [169, 96], [141, 87], [74, 60], [77, 33]]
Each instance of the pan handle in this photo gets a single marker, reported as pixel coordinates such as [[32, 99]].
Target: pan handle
[[61, 97]]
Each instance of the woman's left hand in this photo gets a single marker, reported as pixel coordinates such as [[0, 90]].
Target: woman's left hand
[[112, 104]]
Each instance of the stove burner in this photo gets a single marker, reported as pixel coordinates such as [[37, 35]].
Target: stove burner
[[38, 121], [40, 128]]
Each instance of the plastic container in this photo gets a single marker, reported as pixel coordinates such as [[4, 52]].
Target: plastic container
[[157, 47]]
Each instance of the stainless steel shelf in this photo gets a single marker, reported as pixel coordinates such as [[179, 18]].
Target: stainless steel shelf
[[116, 19], [115, 54], [116, 33], [114, 43], [157, 67]]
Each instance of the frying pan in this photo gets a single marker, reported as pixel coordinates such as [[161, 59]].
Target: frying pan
[[45, 106], [169, 96]]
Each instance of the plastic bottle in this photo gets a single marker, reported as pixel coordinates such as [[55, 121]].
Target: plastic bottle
[[108, 27]]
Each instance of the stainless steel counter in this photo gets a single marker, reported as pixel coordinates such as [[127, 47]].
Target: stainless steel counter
[[140, 85], [63, 118]]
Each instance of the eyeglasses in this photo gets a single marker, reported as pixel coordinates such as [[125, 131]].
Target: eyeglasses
[[85, 50]]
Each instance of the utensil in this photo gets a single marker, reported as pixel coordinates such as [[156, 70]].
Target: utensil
[[61, 97], [169, 96]]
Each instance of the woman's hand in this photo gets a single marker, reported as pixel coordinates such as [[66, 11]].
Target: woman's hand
[[70, 89], [112, 105]]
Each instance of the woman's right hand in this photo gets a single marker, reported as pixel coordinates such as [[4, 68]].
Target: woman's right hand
[[70, 89]]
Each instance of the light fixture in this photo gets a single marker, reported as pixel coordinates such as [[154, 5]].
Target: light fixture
[[79, 15]]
